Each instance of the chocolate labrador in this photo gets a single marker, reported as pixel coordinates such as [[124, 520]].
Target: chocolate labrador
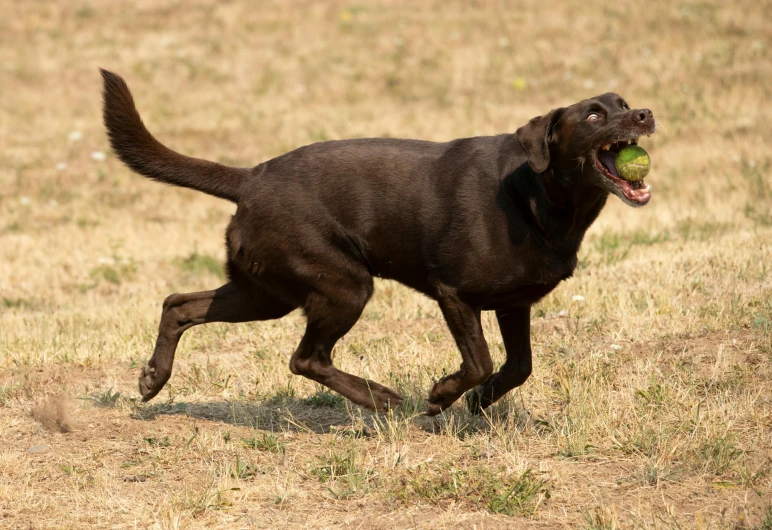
[[477, 224]]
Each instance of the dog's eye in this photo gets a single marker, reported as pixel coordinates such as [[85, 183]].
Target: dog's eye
[[593, 117], [625, 106]]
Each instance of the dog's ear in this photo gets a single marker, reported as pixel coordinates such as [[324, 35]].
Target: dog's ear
[[534, 139]]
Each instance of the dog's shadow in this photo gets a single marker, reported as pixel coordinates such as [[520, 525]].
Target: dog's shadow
[[274, 416], [296, 415]]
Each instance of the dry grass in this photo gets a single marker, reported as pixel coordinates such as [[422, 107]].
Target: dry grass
[[650, 405]]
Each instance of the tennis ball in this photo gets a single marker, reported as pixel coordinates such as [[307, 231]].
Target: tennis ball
[[633, 163]]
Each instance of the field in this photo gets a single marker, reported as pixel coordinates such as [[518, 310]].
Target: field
[[650, 405]]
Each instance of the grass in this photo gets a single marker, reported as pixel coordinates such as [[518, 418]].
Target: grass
[[494, 490], [265, 442], [325, 398], [649, 406], [197, 263], [108, 398]]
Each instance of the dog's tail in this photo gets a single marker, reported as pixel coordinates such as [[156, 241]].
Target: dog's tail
[[137, 148]]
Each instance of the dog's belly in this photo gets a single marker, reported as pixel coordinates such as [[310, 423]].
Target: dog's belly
[[522, 296]]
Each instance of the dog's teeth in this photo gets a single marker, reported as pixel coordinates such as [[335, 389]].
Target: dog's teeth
[[606, 147]]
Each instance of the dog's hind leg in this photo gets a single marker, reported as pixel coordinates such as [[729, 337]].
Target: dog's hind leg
[[331, 312], [233, 302], [515, 325]]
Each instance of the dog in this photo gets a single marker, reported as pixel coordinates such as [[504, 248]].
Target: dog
[[490, 223]]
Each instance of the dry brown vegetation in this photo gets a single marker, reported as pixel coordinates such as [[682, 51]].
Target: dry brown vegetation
[[651, 401]]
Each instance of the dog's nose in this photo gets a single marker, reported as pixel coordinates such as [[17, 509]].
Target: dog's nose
[[643, 116]]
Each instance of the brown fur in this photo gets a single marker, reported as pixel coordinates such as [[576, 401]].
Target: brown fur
[[486, 223]]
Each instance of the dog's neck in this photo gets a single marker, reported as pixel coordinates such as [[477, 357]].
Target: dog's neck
[[558, 211]]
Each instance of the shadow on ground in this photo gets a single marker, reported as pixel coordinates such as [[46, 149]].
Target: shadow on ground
[[287, 415], [297, 415]]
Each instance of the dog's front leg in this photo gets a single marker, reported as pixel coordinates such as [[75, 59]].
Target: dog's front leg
[[476, 366], [515, 325]]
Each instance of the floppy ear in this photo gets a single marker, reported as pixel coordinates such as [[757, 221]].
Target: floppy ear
[[534, 138]]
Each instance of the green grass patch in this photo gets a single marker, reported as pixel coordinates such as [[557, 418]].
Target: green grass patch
[[106, 399], [265, 442], [495, 490], [344, 470], [197, 263], [324, 399]]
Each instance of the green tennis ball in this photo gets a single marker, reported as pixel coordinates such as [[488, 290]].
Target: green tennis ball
[[633, 163]]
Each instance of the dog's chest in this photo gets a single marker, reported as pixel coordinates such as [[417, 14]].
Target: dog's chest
[[530, 284]]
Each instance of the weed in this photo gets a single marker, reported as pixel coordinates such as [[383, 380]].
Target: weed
[[115, 273], [106, 399], [344, 472], [10, 392], [157, 442], [324, 398], [520, 498], [283, 394], [766, 524], [655, 396], [202, 500], [13, 303], [718, 455], [83, 12], [495, 490], [244, 470], [653, 474], [198, 263], [71, 469], [265, 442]]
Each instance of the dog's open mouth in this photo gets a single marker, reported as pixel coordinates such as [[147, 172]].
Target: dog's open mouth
[[605, 159]]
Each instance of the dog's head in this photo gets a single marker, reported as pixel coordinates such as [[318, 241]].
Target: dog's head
[[582, 141]]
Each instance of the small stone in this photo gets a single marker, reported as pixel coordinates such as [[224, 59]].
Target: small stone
[[74, 136], [99, 156], [37, 449], [578, 298]]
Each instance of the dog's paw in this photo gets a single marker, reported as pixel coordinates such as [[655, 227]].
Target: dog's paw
[[442, 396], [438, 403], [383, 398], [151, 381], [433, 409]]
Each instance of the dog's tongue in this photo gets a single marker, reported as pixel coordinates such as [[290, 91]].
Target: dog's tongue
[[608, 159]]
